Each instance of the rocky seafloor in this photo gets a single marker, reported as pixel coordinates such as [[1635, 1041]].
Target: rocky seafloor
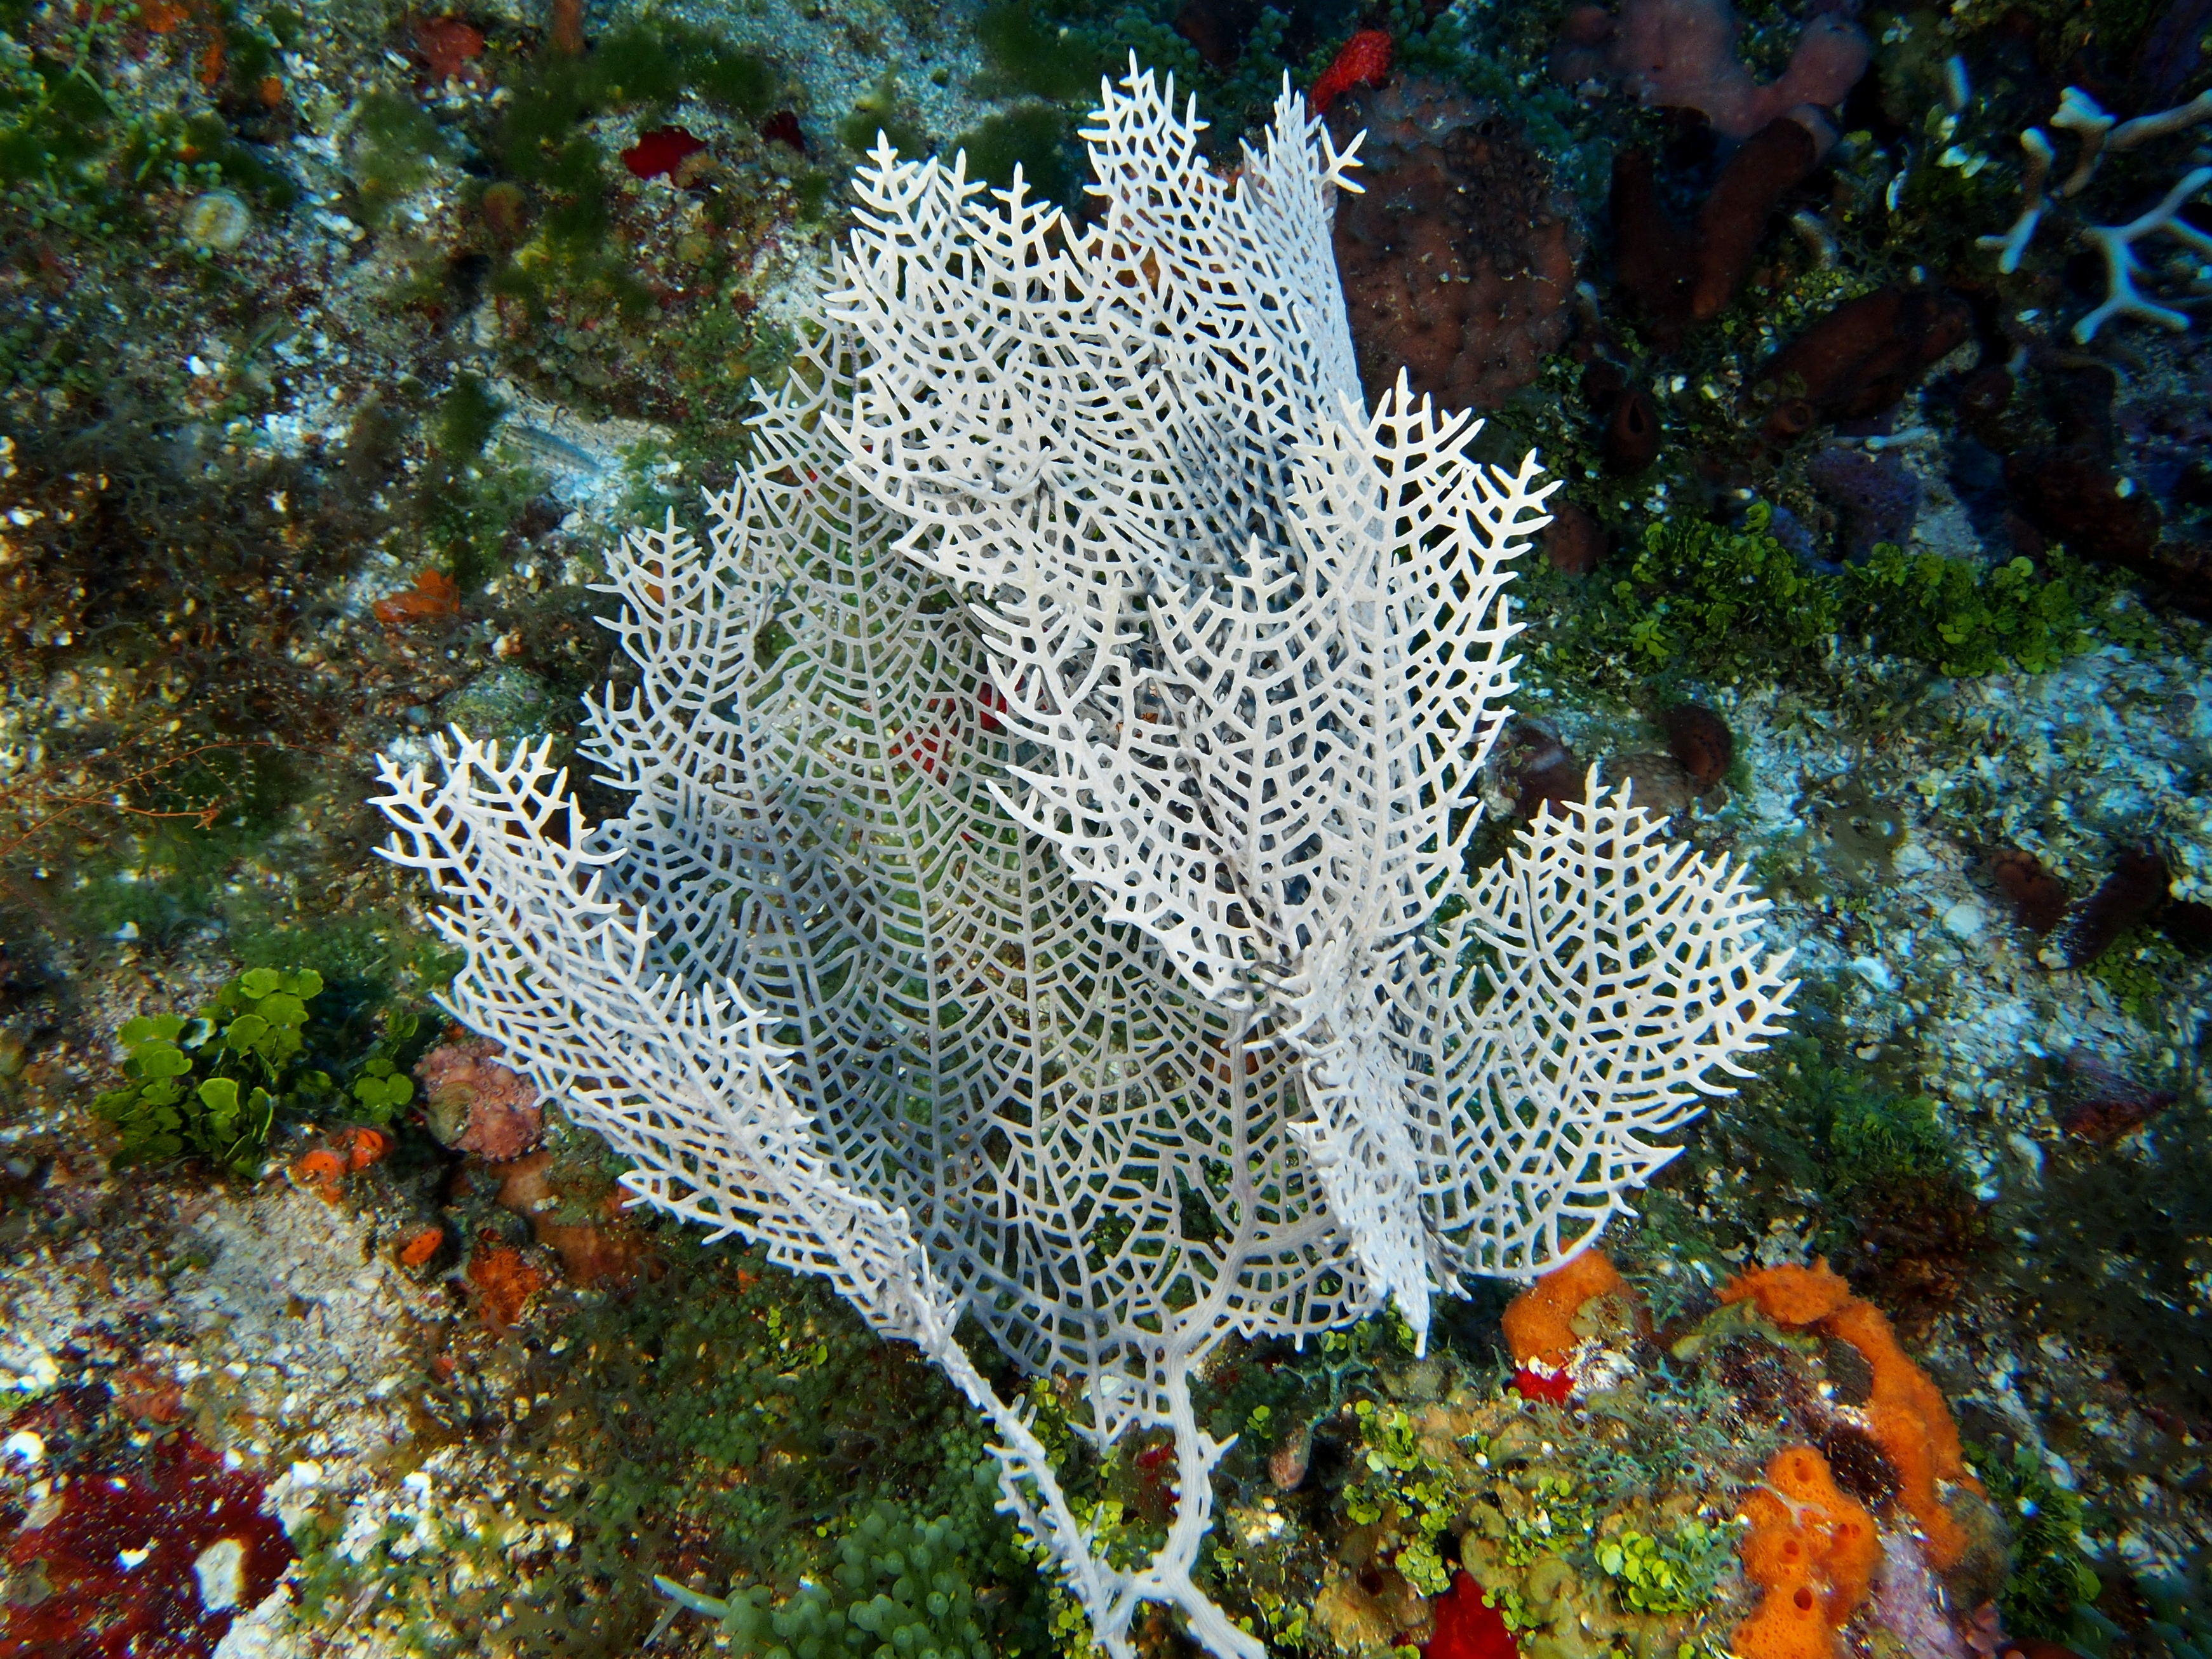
[[337, 343]]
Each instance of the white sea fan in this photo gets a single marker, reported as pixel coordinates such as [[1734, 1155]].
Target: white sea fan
[[1254, 640], [1012, 1108], [1043, 895]]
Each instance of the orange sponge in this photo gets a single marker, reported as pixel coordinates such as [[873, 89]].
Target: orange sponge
[[1790, 1624], [1845, 1549], [1813, 1550], [1906, 1413], [1791, 1296], [1911, 1423], [1537, 1322]]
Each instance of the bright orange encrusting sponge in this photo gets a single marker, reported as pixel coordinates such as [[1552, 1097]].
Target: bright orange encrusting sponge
[[1845, 1547], [1538, 1320], [1906, 1414], [1790, 1624], [1911, 1423], [1813, 1550], [1791, 1296]]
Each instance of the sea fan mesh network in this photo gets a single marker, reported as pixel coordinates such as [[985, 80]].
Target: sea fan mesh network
[[1041, 899], [1252, 639]]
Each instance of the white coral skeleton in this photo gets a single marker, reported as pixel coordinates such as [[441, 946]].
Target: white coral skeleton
[[1044, 897], [2101, 135]]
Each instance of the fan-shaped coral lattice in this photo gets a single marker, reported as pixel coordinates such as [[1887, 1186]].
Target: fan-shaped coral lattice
[[1016, 1109], [1253, 639], [1043, 897]]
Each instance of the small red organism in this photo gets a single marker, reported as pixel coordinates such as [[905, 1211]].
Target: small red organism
[[2128, 897], [448, 46], [507, 1279], [2038, 898], [1700, 739], [1468, 1626], [1156, 1492], [1364, 62], [147, 1392], [366, 1146], [1574, 542], [156, 1561], [422, 1246], [1540, 1382], [660, 151], [322, 1172], [435, 597], [782, 128]]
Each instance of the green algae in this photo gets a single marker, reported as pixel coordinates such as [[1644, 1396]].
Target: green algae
[[392, 148], [882, 114], [2049, 1577], [464, 419], [2138, 969], [899, 1583], [1030, 53], [1725, 604], [214, 1085], [1964, 618], [1037, 138]]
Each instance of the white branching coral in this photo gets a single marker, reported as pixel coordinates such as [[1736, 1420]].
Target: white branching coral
[[1043, 899], [2099, 135], [1254, 640]]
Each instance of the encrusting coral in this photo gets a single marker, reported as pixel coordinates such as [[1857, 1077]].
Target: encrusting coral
[[476, 1104]]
